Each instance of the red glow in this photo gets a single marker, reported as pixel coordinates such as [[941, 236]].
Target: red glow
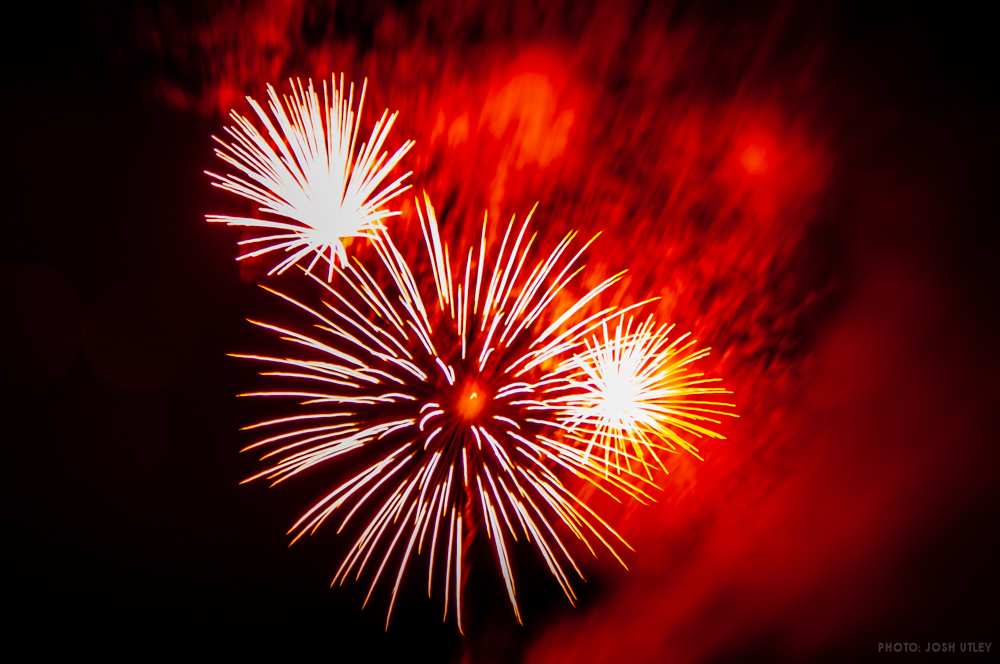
[[754, 159], [615, 121], [686, 186]]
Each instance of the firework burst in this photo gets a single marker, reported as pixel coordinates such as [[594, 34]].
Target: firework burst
[[634, 391], [315, 189], [435, 399]]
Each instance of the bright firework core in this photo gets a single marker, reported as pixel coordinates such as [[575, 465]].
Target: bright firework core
[[472, 399], [621, 392]]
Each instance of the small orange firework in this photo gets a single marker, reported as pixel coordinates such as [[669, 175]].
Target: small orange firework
[[633, 392], [433, 399], [315, 189]]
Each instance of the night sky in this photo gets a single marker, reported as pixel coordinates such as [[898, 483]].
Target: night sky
[[809, 190]]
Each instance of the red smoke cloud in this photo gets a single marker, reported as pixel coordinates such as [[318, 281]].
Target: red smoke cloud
[[707, 152]]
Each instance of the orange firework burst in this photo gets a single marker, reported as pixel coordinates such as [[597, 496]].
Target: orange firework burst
[[436, 401], [314, 187], [633, 392]]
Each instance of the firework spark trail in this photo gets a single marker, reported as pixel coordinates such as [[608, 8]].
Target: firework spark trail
[[633, 392], [434, 400], [307, 173]]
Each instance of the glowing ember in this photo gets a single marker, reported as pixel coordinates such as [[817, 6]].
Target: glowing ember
[[471, 400]]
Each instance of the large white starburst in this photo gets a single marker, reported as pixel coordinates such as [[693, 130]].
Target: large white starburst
[[314, 188]]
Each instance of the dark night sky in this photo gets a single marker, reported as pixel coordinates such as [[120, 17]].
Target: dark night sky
[[124, 525]]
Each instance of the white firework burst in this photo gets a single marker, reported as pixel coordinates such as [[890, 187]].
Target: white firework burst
[[634, 392], [316, 188]]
